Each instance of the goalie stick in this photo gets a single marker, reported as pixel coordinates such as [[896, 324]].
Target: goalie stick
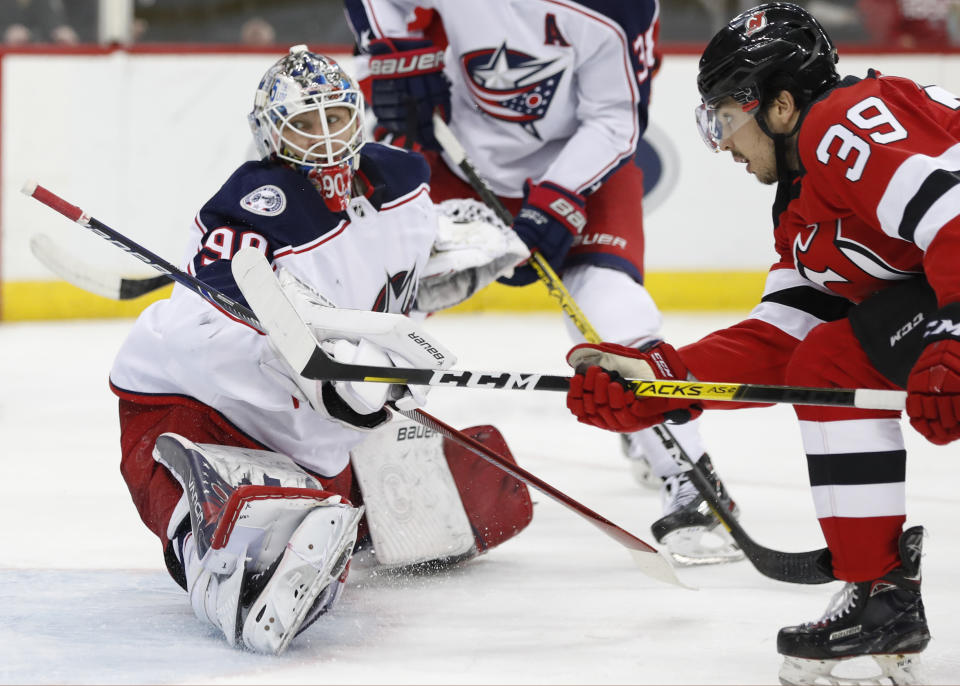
[[648, 559], [101, 281], [790, 567]]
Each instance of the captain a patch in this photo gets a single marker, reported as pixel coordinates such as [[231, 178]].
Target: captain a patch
[[267, 201]]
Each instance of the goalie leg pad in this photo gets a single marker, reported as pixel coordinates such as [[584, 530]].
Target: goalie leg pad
[[209, 473], [430, 500], [498, 505], [413, 506], [249, 547]]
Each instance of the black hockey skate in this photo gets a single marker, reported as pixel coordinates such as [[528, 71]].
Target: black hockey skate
[[689, 523], [882, 620]]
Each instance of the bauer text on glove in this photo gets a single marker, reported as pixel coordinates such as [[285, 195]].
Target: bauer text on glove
[[407, 85], [550, 219]]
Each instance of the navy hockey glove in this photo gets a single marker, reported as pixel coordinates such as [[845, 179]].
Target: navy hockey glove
[[933, 387], [551, 217], [600, 396], [407, 85]]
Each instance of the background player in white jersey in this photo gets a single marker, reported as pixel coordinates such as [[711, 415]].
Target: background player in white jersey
[[865, 294], [241, 468], [549, 99]]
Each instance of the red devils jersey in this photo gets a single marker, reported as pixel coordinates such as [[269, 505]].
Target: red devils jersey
[[876, 202]]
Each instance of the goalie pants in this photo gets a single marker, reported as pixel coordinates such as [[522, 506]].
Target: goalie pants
[[614, 234], [856, 458]]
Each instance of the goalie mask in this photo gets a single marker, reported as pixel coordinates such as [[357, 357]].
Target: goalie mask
[[772, 47], [309, 113]]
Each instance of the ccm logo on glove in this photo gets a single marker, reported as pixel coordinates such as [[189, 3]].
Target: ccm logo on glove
[[933, 387], [939, 327]]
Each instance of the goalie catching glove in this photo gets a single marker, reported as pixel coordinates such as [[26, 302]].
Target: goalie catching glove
[[363, 338], [473, 248], [600, 395]]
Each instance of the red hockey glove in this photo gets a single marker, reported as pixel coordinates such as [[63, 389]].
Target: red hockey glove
[[551, 217], [933, 387], [407, 84], [599, 395]]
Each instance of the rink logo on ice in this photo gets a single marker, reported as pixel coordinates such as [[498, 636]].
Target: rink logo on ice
[[266, 201]]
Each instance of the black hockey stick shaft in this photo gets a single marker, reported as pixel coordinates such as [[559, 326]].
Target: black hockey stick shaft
[[321, 366]]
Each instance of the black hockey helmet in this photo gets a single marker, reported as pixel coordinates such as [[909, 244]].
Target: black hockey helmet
[[775, 41], [777, 37]]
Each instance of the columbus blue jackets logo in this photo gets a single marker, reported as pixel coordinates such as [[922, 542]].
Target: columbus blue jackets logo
[[510, 85], [400, 289], [266, 200]]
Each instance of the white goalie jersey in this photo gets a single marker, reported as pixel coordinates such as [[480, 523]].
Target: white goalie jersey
[[377, 256]]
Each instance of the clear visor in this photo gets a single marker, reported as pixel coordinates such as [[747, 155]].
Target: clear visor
[[322, 130], [719, 121]]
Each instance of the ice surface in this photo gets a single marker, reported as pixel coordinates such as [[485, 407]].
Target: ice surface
[[84, 597]]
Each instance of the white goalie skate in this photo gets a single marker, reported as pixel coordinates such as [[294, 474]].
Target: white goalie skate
[[306, 581], [262, 562]]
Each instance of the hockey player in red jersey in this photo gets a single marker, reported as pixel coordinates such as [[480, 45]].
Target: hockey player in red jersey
[[865, 294], [259, 482], [549, 98]]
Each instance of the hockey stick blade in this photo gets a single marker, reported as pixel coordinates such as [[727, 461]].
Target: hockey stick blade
[[797, 568], [99, 281], [223, 303], [296, 343]]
